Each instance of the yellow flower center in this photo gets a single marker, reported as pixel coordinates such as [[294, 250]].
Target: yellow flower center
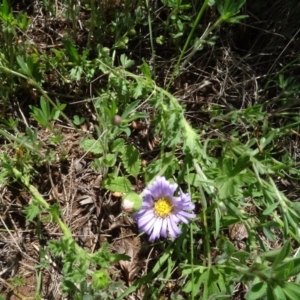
[[163, 207]]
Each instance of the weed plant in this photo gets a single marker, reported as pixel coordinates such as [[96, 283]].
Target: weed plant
[[100, 84]]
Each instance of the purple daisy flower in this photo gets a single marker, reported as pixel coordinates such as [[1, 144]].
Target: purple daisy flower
[[161, 212]]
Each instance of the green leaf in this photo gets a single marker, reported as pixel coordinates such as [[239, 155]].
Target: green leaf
[[78, 120], [285, 251], [109, 160], [131, 160], [117, 184], [76, 73], [214, 284], [296, 267], [100, 279], [292, 287], [257, 291], [199, 278], [270, 209], [4, 175], [45, 107], [129, 109], [126, 63], [160, 40], [283, 271], [113, 258], [167, 165], [39, 116], [270, 294], [242, 163], [278, 293], [54, 210], [296, 207], [138, 90], [264, 141], [227, 166], [54, 114], [146, 71], [117, 145], [30, 64], [229, 8], [126, 130], [102, 256], [137, 115], [226, 187], [246, 178], [92, 145], [236, 19], [271, 236], [71, 50], [290, 292], [270, 255], [4, 9], [32, 210], [291, 222], [23, 65], [191, 141], [122, 43], [192, 179]]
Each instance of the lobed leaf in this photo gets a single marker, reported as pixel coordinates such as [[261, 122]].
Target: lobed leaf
[[32, 210], [117, 184], [92, 145], [131, 160]]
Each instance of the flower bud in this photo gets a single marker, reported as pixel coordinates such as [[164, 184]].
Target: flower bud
[[117, 120], [100, 280], [131, 203]]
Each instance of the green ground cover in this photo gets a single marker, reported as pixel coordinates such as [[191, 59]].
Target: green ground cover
[[188, 108]]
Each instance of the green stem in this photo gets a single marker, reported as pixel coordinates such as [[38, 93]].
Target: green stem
[[200, 41], [204, 217], [188, 41], [29, 146], [43, 203], [92, 23], [151, 37]]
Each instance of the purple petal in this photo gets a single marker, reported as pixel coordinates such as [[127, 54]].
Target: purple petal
[[175, 218], [156, 230], [184, 216], [148, 226], [147, 204], [183, 202], [141, 213], [146, 218], [173, 229], [147, 198], [161, 187], [164, 226]]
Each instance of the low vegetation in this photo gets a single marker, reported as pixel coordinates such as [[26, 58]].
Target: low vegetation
[[102, 102]]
